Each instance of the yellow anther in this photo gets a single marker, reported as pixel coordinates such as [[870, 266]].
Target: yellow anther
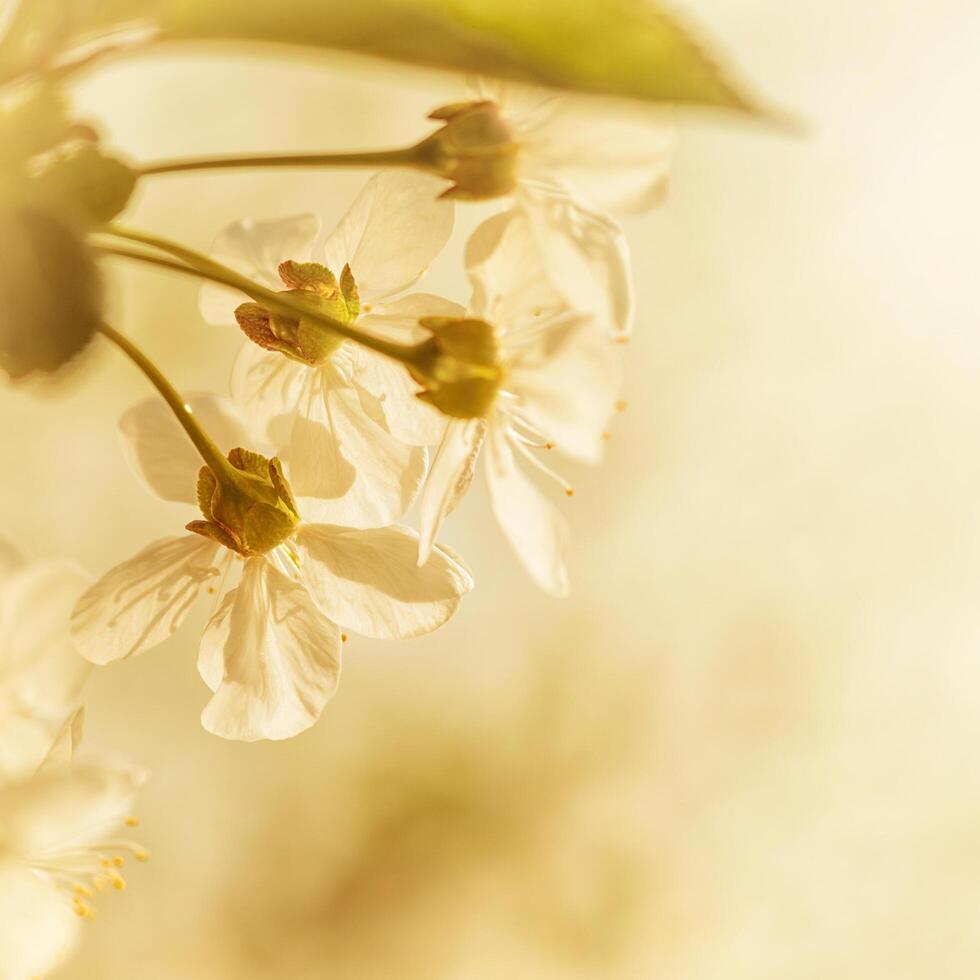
[[118, 882], [101, 883], [621, 340], [620, 406], [118, 861], [343, 637], [569, 491], [607, 435], [132, 821], [141, 855], [211, 590], [82, 890], [549, 445], [366, 308]]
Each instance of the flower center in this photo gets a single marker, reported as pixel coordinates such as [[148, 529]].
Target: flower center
[[83, 872]]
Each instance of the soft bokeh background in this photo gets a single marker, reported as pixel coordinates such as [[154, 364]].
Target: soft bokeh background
[[746, 746]]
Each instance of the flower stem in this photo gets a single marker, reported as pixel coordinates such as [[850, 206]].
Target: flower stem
[[406, 157], [285, 305], [208, 451]]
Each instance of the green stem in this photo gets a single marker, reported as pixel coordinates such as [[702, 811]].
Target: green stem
[[281, 303], [407, 157], [209, 452]]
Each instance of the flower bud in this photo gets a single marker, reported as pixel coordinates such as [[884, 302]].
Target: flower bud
[[459, 367], [50, 292], [251, 510], [475, 149], [308, 341]]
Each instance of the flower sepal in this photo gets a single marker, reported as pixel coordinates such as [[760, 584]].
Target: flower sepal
[[474, 148], [459, 366], [250, 508]]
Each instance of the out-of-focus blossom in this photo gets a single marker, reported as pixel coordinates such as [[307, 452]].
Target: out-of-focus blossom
[[62, 841], [343, 418], [271, 650], [41, 673], [569, 165], [559, 377]]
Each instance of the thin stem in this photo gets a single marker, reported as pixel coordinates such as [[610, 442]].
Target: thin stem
[[407, 157], [202, 441], [280, 303], [120, 251]]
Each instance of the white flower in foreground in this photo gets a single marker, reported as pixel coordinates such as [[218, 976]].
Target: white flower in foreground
[[568, 163], [271, 650], [62, 840], [41, 673], [343, 418], [555, 384]]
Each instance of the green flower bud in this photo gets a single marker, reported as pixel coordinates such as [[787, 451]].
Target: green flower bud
[[475, 149], [303, 340], [50, 292], [252, 510], [459, 366]]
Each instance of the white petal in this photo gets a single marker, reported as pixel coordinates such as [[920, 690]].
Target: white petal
[[449, 478], [408, 419], [344, 465], [255, 249], [535, 529], [369, 581], [40, 669], [161, 453], [37, 926], [508, 273], [267, 386], [279, 657], [398, 319], [64, 810], [567, 383], [615, 160], [143, 601], [62, 750], [585, 253], [394, 229]]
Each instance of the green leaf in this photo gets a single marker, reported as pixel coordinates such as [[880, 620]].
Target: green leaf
[[629, 48]]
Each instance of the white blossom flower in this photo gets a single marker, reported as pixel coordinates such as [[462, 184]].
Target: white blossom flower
[[570, 164], [559, 381], [271, 650], [61, 842], [41, 673], [343, 418]]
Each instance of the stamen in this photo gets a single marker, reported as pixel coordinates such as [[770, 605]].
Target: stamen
[[520, 446]]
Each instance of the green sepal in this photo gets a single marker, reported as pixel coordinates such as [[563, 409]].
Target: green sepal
[[208, 529]]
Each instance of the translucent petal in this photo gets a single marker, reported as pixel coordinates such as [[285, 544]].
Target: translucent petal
[[140, 603], [279, 658], [370, 581]]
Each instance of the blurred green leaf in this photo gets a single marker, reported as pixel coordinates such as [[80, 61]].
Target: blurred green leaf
[[629, 48]]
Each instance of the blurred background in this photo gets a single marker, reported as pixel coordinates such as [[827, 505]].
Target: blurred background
[[745, 747]]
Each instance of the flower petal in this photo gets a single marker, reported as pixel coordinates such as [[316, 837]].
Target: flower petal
[[279, 656], [392, 388], [267, 386], [585, 253], [255, 249], [508, 273], [370, 582], [535, 529], [567, 382], [449, 478], [62, 749], [617, 161], [161, 453], [40, 669], [143, 601], [37, 926], [344, 465], [394, 229]]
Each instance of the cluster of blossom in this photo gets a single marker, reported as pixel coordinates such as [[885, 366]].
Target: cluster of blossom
[[63, 820], [352, 399], [326, 443]]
